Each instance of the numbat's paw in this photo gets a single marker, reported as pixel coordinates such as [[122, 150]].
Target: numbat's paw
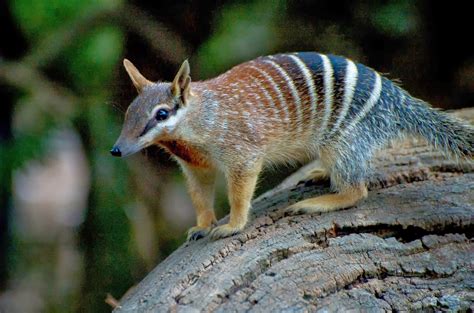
[[298, 208], [223, 231], [330, 202], [198, 232], [314, 205]]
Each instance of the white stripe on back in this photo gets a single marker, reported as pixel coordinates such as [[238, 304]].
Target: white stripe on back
[[310, 84], [268, 97], [294, 92], [328, 94], [350, 82], [374, 97], [277, 90]]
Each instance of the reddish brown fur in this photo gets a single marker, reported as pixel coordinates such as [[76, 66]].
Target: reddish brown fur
[[186, 152]]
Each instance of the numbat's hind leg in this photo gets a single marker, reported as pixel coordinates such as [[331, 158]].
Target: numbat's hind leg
[[330, 202]]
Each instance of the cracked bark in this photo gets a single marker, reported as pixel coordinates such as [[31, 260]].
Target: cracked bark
[[408, 246]]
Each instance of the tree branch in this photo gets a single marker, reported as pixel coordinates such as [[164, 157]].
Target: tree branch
[[406, 247]]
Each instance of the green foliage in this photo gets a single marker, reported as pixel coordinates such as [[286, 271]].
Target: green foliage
[[232, 42], [38, 18], [92, 61], [89, 65], [396, 18], [27, 147]]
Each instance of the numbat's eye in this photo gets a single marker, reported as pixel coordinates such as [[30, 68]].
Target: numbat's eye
[[162, 114]]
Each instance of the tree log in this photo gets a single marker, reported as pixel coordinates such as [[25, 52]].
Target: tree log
[[408, 246]]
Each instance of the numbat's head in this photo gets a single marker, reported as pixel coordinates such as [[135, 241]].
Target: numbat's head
[[155, 113]]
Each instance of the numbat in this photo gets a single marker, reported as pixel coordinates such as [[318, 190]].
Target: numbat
[[274, 109]]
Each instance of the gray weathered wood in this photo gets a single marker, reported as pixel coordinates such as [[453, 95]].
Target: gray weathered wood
[[408, 246]]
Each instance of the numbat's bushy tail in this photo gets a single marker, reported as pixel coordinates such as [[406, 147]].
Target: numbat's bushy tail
[[281, 108], [446, 133]]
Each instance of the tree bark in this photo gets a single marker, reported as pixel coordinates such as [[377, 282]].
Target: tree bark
[[408, 246]]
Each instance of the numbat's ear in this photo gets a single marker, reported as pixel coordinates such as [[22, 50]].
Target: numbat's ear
[[138, 80], [181, 86]]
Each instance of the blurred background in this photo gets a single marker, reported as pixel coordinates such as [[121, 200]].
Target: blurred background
[[77, 224]]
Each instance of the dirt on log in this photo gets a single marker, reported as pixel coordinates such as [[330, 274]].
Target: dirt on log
[[408, 246]]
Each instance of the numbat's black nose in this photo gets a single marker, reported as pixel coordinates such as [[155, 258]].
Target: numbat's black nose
[[116, 152]]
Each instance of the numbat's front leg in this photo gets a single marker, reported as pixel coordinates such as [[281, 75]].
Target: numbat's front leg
[[241, 186], [331, 202], [201, 187]]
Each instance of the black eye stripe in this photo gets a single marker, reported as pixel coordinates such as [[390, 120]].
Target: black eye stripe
[[152, 123]]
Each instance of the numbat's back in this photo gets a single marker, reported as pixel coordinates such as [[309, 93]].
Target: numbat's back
[[281, 108]]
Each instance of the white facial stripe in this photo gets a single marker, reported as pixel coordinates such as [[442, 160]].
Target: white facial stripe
[[169, 124], [277, 90], [310, 84], [374, 97], [328, 94], [293, 91], [350, 82]]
